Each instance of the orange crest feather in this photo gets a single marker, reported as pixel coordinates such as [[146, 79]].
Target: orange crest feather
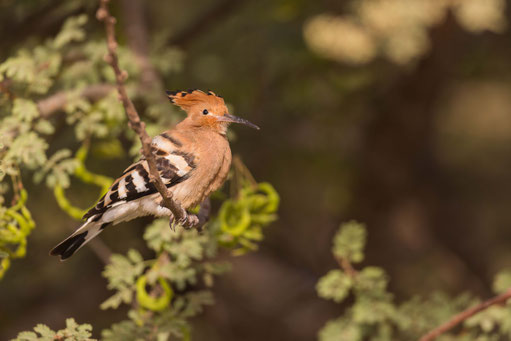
[[190, 98]]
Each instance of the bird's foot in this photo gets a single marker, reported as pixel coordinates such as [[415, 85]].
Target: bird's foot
[[172, 224], [189, 221]]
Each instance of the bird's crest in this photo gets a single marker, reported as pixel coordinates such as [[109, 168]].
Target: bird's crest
[[189, 98]]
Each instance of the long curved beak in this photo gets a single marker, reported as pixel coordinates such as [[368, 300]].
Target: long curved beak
[[236, 119]]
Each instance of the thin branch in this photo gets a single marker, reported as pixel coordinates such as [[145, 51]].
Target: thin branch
[[457, 319], [101, 250], [346, 266], [179, 214], [58, 101]]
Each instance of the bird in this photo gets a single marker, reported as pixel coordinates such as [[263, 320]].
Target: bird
[[193, 160]]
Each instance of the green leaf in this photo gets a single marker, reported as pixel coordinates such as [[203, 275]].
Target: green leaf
[[195, 302], [75, 331], [71, 31], [21, 68], [502, 281], [57, 169], [370, 311], [45, 331], [157, 233], [44, 127], [340, 329], [25, 110], [72, 332], [349, 242], [125, 331], [26, 336], [179, 274], [334, 286], [371, 280], [28, 149], [122, 273], [490, 319]]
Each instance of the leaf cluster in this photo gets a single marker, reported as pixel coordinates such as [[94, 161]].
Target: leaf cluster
[[16, 223], [166, 291], [374, 314], [72, 332]]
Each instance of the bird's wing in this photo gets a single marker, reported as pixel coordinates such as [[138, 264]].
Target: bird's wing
[[174, 166]]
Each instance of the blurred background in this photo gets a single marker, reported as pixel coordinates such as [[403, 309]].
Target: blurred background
[[395, 113]]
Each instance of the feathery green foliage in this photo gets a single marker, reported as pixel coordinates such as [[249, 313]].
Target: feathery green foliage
[[72, 332], [159, 288], [375, 315]]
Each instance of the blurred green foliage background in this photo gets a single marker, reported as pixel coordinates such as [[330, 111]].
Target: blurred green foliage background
[[396, 113]]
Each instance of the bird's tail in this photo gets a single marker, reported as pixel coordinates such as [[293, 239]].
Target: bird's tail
[[78, 239]]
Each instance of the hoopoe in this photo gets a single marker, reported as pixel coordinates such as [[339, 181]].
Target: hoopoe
[[193, 160]]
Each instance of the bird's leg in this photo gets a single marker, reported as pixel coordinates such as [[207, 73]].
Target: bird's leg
[[191, 220], [204, 211], [188, 221]]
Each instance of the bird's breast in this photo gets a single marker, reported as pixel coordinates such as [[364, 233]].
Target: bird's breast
[[213, 160]]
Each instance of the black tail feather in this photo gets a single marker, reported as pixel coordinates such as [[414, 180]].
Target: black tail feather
[[69, 246]]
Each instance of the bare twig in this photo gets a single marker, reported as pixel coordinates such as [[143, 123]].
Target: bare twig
[[100, 249], [58, 101], [457, 319], [179, 214], [346, 266]]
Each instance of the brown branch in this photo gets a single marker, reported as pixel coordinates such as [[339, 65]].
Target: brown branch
[[58, 101], [101, 250], [179, 214], [457, 319], [345, 265]]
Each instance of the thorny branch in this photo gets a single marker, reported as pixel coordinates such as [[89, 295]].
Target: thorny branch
[[179, 214], [457, 319]]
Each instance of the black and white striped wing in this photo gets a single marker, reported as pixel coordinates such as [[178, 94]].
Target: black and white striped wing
[[174, 166]]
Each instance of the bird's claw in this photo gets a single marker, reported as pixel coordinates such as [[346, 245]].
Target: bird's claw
[[172, 224], [189, 221]]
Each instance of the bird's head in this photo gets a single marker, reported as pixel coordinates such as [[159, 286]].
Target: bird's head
[[205, 110]]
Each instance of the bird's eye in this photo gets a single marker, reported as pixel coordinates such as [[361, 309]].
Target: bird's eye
[[205, 112]]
